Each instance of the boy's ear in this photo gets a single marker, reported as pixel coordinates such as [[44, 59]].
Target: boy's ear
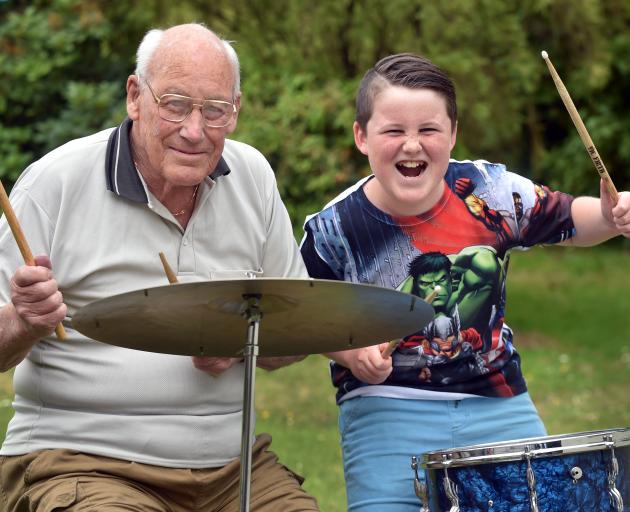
[[454, 136], [360, 138]]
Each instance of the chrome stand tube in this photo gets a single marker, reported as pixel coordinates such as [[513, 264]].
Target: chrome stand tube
[[253, 314]]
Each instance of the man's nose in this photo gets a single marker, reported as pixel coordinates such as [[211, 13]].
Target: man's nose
[[193, 126]]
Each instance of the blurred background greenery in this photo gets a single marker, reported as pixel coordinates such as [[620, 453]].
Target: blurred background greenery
[[63, 65]]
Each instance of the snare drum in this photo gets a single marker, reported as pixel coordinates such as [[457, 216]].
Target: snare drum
[[587, 471]]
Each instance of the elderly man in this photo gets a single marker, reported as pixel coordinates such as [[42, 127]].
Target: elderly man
[[98, 427]]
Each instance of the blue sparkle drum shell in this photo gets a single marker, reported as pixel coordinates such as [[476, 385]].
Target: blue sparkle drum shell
[[586, 471]]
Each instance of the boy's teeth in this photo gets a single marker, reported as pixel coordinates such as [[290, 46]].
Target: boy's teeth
[[411, 169]]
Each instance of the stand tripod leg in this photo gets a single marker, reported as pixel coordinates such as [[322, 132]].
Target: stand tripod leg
[[254, 316]]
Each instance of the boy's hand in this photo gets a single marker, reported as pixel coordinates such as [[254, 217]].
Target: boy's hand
[[617, 215], [367, 364]]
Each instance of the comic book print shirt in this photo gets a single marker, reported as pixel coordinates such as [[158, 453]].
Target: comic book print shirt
[[462, 244]]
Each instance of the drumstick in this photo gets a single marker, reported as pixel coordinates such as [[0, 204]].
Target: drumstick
[[172, 278], [579, 125], [20, 239], [391, 346]]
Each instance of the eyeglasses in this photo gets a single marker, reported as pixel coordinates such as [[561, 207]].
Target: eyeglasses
[[176, 108]]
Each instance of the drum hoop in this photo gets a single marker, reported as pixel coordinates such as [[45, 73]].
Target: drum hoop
[[520, 449]]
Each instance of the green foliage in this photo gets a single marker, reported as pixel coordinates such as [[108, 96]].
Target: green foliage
[[101, 100], [64, 64], [302, 128], [65, 67], [301, 73]]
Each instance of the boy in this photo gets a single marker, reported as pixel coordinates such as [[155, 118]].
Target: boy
[[420, 222]]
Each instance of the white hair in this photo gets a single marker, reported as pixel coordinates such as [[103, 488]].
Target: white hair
[[233, 58], [151, 41]]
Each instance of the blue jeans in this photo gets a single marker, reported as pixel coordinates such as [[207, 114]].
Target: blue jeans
[[380, 435]]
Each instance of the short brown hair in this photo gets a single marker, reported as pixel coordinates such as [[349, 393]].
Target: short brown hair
[[405, 70]]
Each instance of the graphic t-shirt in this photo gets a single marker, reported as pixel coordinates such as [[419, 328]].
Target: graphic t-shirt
[[462, 245]]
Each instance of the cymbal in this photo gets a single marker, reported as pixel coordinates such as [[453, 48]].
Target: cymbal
[[299, 316]]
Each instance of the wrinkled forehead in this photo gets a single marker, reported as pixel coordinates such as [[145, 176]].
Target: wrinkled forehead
[[178, 52], [202, 62]]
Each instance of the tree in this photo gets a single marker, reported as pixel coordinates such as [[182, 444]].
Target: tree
[[66, 62], [65, 65]]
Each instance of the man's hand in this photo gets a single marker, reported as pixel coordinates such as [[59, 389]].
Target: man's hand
[[37, 299], [215, 366], [35, 309], [273, 363]]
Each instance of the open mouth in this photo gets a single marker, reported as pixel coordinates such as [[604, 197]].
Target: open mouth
[[411, 168]]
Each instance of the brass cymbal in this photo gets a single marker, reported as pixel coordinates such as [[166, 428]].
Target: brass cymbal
[[299, 316]]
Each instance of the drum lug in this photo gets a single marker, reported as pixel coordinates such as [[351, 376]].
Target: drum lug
[[531, 482], [420, 487], [450, 488], [542, 478], [576, 474], [615, 496]]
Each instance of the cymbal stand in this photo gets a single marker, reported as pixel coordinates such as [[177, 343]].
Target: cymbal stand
[[251, 311]]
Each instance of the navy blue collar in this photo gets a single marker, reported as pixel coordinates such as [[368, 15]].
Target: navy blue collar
[[120, 171]]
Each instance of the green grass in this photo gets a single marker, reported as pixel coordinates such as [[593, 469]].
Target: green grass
[[569, 309], [6, 394], [296, 406]]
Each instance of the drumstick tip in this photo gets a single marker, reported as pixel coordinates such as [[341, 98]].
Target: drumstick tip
[[544, 54]]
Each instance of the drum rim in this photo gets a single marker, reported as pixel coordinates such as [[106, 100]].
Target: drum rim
[[533, 447]]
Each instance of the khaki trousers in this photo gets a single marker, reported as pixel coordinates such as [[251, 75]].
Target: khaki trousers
[[64, 480]]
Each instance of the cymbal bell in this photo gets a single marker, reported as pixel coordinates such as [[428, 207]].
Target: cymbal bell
[[299, 316]]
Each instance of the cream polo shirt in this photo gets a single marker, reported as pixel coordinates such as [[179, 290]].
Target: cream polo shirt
[[86, 206]]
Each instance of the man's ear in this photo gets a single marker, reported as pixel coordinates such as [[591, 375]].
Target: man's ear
[[133, 97], [360, 138], [232, 126]]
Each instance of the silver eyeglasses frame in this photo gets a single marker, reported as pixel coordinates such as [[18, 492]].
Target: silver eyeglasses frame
[[194, 103]]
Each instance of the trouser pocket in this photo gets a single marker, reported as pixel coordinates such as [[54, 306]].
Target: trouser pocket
[[49, 496]]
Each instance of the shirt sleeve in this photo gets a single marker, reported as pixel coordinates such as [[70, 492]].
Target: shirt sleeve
[[282, 256], [316, 266], [37, 231], [546, 217]]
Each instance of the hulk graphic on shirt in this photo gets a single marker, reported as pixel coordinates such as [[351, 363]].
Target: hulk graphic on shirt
[[464, 303]]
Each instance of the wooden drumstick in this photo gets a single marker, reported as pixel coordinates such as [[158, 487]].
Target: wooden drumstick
[[172, 279], [20, 239], [391, 346], [170, 275], [579, 125]]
